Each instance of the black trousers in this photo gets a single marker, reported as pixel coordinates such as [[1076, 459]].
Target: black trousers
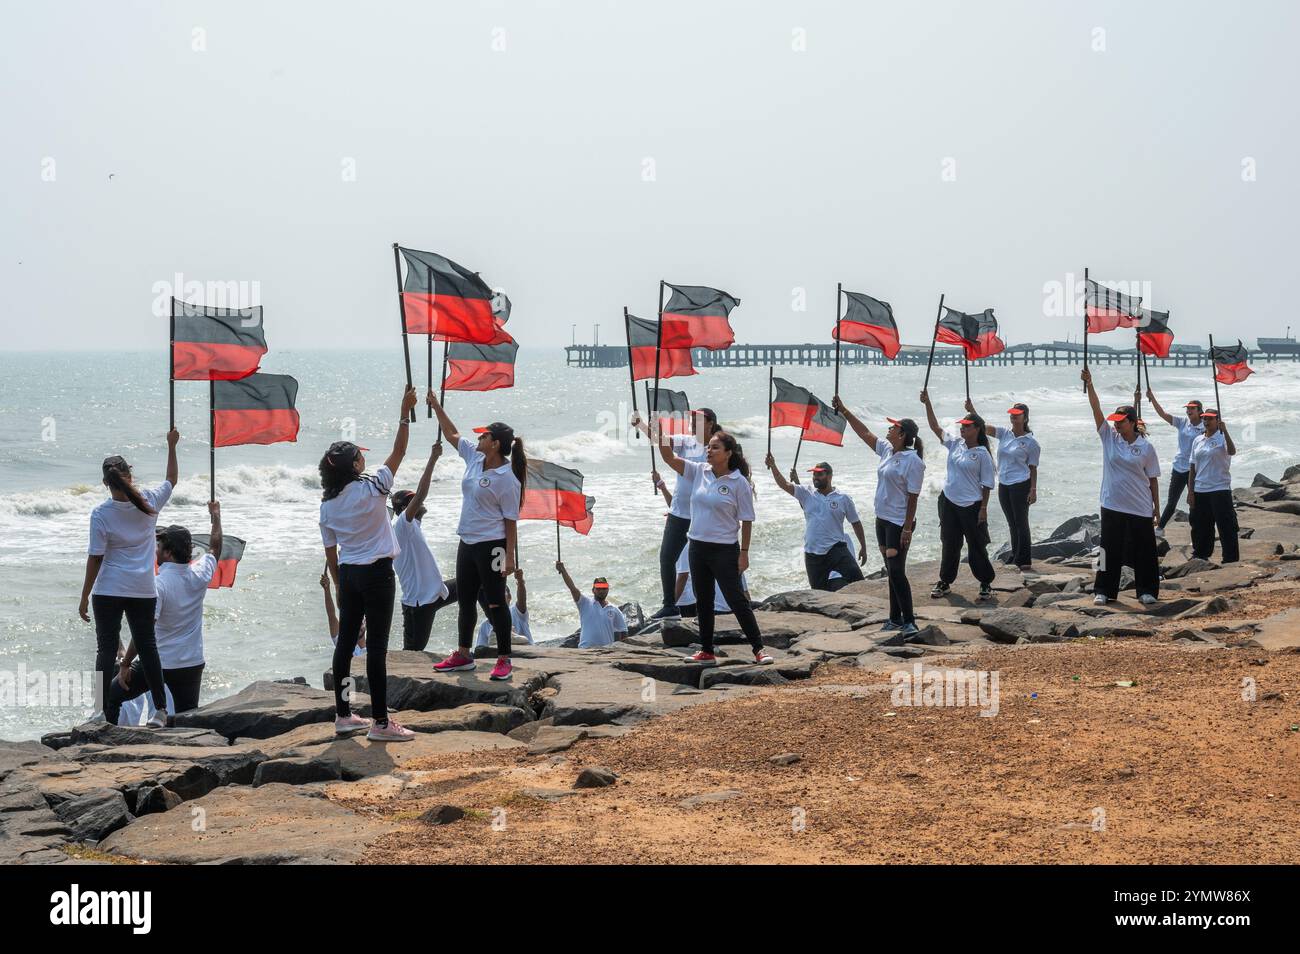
[[670, 551], [1014, 500], [138, 610], [839, 559], [1177, 484], [366, 592], [955, 525], [719, 563], [1127, 539], [1214, 510], [184, 685], [890, 537], [478, 566], [417, 621]]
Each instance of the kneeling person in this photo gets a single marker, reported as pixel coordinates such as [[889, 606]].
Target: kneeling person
[[602, 622], [519, 625], [825, 510]]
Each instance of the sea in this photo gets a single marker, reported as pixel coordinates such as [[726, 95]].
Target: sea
[[62, 413]]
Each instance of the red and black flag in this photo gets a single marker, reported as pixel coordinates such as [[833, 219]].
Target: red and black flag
[[1106, 309], [232, 551], [1230, 363], [583, 526], [1154, 336], [824, 426], [552, 492], [976, 334], [449, 302], [642, 339], [868, 321], [258, 409], [215, 344], [474, 367], [671, 411], [697, 317], [792, 406]]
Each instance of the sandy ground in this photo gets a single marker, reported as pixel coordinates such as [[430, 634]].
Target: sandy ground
[[1176, 768]]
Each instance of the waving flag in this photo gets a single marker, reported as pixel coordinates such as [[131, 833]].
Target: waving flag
[[1154, 336], [1230, 363], [1107, 309], [671, 411], [232, 551], [697, 317], [642, 338], [825, 426], [552, 492], [451, 303], [473, 367], [793, 406], [215, 344], [868, 321], [258, 409], [976, 334], [583, 526]]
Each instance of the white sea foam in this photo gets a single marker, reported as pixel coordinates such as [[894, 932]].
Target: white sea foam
[[580, 447]]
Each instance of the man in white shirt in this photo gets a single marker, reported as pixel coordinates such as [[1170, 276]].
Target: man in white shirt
[[424, 591], [602, 623], [825, 511]]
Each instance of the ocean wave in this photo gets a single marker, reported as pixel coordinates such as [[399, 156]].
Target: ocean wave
[[580, 447]]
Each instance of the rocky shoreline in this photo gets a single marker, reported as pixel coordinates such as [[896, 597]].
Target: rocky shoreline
[[258, 777]]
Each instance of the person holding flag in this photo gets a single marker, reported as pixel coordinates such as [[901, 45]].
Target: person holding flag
[[1018, 456], [424, 591], [1209, 490], [1189, 429], [825, 511], [964, 502], [602, 623]]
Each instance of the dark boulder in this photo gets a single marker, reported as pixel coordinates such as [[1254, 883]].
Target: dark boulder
[[95, 815]]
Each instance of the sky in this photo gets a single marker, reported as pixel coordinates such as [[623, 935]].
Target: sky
[[574, 153]]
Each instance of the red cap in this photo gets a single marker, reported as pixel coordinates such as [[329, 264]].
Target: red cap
[[816, 470], [1015, 410], [965, 420], [1209, 412], [480, 430], [892, 420], [1117, 417]]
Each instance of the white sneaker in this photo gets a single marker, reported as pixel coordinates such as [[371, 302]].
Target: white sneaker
[[157, 722], [1160, 533], [350, 724], [1099, 599], [1147, 599]]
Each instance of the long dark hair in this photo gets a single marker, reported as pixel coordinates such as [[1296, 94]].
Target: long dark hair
[[518, 463], [335, 474], [911, 436], [117, 476], [736, 460], [982, 429]]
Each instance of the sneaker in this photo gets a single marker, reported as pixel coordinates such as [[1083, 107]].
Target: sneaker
[[940, 589], [459, 661], [1147, 599], [763, 659], [907, 630], [502, 669], [703, 657], [1099, 599], [985, 593], [393, 732], [160, 722], [350, 724], [668, 612], [890, 627]]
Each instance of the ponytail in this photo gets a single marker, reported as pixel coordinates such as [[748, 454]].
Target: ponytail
[[918, 447], [519, 465], [116, 477]]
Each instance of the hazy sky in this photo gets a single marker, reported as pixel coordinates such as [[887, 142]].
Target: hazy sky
[[287, 145]]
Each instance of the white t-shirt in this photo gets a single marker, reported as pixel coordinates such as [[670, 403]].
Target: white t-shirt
[[897, 475], [518, 624], [356, 521], [1187, 433], [687, 448], [688, 597], [488, 499], [599, 623], [718, 504], [1212, 462], [1126, 470], [970, 469], [356, 650], [416, 568], [178, 615], [824, 517], [124, 537], [1015, 455]]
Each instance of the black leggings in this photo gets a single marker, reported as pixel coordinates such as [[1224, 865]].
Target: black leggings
[[1127, 538], [1014, 499], [955, 525], [890, 537], [366, 591], [1177, 484], [670, 550], [183, 683], [139, 610], [417, 621], [838, 558], [1213, 509], [478, 566], [720, 563]]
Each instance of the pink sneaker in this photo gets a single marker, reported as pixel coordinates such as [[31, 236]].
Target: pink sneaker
[[763, 659], [459, 661], [502, 669], [393, 732], [350, 725], [703, 657]]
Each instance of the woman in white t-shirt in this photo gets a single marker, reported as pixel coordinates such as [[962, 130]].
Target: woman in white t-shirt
[[119, 577], [359, 550], [964, 502], [1209, 490], [1018, 455]]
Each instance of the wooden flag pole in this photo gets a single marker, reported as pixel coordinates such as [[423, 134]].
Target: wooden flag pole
[[212, 440], [770, 372], [1085, 323], [839, 294], [631, 372], [442, 388], [401, 304], [171, 372], [1215, 371], [933, 338]]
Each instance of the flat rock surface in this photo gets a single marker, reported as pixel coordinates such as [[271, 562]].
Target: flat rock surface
[[264, 709], [1280, 632], [600, 696]]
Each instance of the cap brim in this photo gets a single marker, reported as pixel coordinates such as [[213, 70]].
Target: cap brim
[[817, 470], [1191, 404], [965, 420], [1117, 417], [1014, 410], [480, 430], [1209, 414], [894, 421]]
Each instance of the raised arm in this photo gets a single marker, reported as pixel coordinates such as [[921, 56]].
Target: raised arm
[[1098, 418], [568, 581], [989, 429], [403, 432], [216, 539], [929, 415], [781, 482], [670, 457], [173, 469], [1151, 398], [422, 488], [859, 428], [448, 428]]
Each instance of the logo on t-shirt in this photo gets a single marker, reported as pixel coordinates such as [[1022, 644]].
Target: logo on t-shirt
[[483, 482], [835, 505], [722, 489], [1135, 450]]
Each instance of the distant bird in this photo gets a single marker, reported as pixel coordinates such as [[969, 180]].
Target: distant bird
[[111, 174]]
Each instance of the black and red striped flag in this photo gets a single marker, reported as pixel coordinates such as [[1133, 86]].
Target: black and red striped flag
[[976, 334], [215, 344], [583, 526], [258, 409], [1154, 335], [475, 367], [1230, 365], [793, 406], [642, 339], [825, 425], [1106, 309], [552, 492], [449, 302], [671, 411], [868, 321], [232, 551], [696, 316]]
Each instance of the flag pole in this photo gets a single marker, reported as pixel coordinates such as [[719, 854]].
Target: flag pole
[[652, 418], [631, 372], [171, 372], [401, 304], [798, 448], [1215, 371], [659, 341], [1085, 323], [557, 534], [934, 337], [442, 388], [839, 293], [212, 440], [1137, 364], [966, 363], [769, 408]]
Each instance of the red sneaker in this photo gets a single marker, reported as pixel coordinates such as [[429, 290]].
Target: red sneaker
[[703, 657], [763, 659], [502, 669], [459, 661]]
